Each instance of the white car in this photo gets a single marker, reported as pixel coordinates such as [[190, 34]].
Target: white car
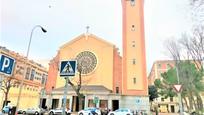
[[59, 111], [121, 111], [90, 111], [35, 111]]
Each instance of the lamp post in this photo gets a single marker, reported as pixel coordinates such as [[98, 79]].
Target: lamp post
[[28, 49]]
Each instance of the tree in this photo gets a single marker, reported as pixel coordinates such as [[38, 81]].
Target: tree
[[153, 94], [194, 46], [7, 83], [77, 86], [165, 85], [197, 10], [190, 79]]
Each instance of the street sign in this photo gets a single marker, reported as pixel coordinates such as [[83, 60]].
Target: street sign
[[68, 68], [138, 100], [6, 64], [177, 88], [95, 100]]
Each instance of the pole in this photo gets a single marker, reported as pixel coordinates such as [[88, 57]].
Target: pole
[[179, 93], [27, 53], [65, 96]]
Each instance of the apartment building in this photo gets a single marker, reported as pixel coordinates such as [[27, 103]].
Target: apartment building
[[169, 104], [33, 76], [164, 105]]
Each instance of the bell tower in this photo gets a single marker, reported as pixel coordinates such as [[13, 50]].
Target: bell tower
[[134, 62]]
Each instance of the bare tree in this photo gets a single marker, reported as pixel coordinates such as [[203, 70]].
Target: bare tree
[[197, 10], [189, 47], [7, 83], [77, 86], [194, 45], [75, 83]]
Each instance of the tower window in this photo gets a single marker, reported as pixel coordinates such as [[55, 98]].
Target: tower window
[[117, 89], [168, 66], [132, 2], [134, 61], [133, 43], [133, 28], [134, 80], [171, 99], [159, 65]]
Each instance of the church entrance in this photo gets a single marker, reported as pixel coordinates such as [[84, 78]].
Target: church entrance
[[55, 103], [115, 105], [75, 103], [43, 103]]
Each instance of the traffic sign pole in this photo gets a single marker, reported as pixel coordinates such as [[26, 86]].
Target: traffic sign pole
[[179, 93], [67, 68], [65, 96]]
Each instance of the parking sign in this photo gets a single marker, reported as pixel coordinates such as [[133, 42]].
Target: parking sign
[[6, 64]]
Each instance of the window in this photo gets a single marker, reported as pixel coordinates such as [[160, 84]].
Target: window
[[133, 43], [91, 103], [27, 73], [117, 90], [171, 99], [134, 80], [133, 28], [103, 104], [32, 76], [159, 65], [132, 2], [43, 79], [134, 61]]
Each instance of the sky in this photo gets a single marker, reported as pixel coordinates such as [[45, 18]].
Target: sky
[[67, 19]]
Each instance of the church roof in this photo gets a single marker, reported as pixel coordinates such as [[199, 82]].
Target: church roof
[[90, 88], [83, 36]]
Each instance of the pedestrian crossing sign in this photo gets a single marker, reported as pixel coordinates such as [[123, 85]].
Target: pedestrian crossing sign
[[68, 68]]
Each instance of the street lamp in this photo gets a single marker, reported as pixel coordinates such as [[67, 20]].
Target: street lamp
[[22, 80]]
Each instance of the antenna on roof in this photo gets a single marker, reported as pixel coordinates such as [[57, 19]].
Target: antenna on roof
[[87, 32], [87, 29]]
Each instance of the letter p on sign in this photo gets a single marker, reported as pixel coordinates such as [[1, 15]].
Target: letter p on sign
[[6, 64]]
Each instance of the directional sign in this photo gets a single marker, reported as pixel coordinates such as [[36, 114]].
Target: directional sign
[[6, 64], [95, 100], [68, 68], [138, 100], [177, 88]]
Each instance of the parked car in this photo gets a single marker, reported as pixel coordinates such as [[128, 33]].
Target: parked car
[[20, 111], [35, 111], [90, 111], [6, 109], [59, 111], [121, 111], [104, 111], [185, 113]]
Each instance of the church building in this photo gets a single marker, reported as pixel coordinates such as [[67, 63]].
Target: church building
[[109, 80]]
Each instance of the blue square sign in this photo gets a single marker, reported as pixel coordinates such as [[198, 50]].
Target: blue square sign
[[68, 68], [6, 64]]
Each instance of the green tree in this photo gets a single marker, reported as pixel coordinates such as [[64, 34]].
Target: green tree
[[153, 94], [190, 79]]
